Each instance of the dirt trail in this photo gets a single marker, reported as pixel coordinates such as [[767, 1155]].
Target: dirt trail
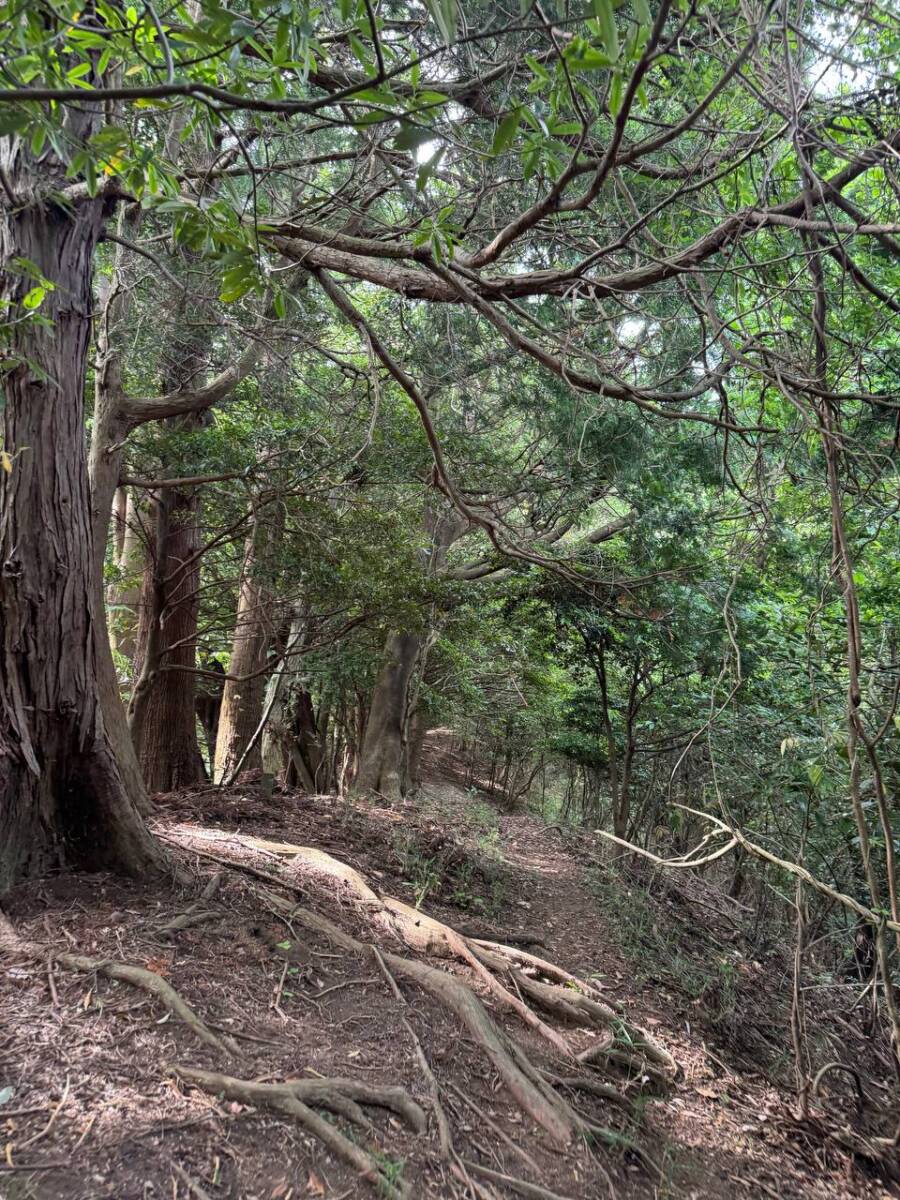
[[90, 1111], [723, 1131]]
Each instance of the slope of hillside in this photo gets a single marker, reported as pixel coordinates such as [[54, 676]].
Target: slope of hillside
[[104, 1093]]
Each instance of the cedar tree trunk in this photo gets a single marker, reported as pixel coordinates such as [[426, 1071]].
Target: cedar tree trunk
[[124, 596], [242, 698], [63, 799], [162, 713], [381, 759]]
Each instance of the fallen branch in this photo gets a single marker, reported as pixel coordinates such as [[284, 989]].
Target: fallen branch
[[50, 1123], [189, 1182], [195, 914], [737, 838]]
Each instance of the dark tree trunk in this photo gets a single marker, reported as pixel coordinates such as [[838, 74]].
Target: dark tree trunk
[[208, 704], [242, 698], [419, 725], [63, 799], [384, 758], [162, 713], [307, 750], [381, 759]]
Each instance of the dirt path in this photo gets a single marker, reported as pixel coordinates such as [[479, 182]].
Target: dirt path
[[723, 1132], [89, 1109]]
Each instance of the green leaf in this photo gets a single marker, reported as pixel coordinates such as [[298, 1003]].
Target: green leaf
[[615, 93], [428, 98], [537, 68], [566, 129], [506, 131], [377, 96], [609, 35], [585, 57], [12, 122], [359, 52], [34, 298], [816, 773], [642, 11]]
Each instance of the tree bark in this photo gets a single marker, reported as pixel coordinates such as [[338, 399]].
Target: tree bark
[[612, 753], [123, 597], [381, 759], [384, 759], [63, 798], [419, 724], [162, 713], [242, 698], [104, 464]]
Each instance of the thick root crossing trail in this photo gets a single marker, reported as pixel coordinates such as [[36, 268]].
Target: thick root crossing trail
[[429, 1000]]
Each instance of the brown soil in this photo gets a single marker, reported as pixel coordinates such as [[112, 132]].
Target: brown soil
[[90, 1109]]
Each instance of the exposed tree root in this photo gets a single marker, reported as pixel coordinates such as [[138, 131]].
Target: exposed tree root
[[577, 1004], [535, 1096], [593, 1087], [342, 1097], [448, 1151], [149, 981], [532, 1190], [550, 970], [534, 979], [195, 914], [565, 996]]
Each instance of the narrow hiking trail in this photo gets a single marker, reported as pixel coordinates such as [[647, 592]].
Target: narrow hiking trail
[[724, 1130], [112, 1098]]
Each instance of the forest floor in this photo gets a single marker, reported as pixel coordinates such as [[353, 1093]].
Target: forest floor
[[90, 1106]]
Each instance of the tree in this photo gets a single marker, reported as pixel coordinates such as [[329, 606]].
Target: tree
[[567, 194], [63, 798]]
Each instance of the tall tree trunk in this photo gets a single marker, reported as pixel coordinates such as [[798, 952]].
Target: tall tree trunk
[[162, 714], [384, 760], [275, 738], [242, 698], [119, 520], [63, 798], [419, 724], [123, 597], [381, 759], [110, 429], [620, 821]]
